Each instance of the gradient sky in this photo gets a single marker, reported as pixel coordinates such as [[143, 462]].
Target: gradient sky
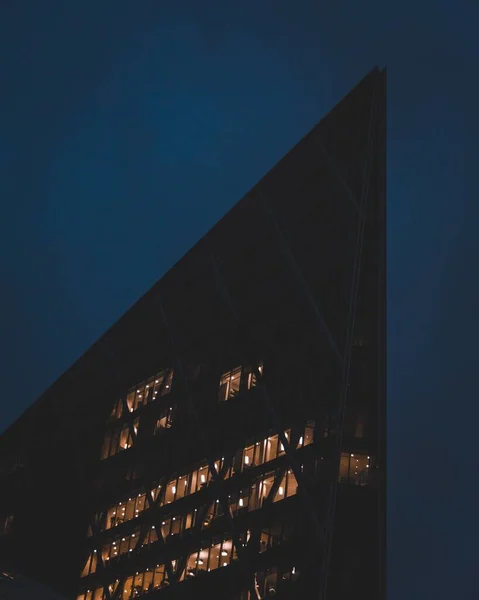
[[127, 129]]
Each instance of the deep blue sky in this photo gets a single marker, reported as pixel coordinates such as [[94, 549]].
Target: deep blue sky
[[127, 129]]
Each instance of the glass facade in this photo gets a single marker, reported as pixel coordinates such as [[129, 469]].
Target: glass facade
[[240, 379], [267, 483]]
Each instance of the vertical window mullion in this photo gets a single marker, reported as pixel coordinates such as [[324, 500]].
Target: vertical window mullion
[[209, 558]]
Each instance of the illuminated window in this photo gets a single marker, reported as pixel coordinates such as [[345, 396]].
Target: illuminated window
[[117, 410], [124, 511], [170, 494], [287, 435], [166, 419], [120, 438], [90, 565], [144, 582], [202, 478], [192, 564], [235, 381], [176, 523], [248, 457], [209, 516], [264, 487], [230, 384], [123, 545], [182, 487], [239, 502], [190, 520], [308, 436], [269, 449], [147, 581], [150, 390], [137, 585], [252, 376], [218, 555], [159, 577], [96, 594], [288, 487], [218, 508], [151, 537], [128, 588], [354, 469], [214, 557]]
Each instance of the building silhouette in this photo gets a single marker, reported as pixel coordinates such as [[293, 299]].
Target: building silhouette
[[225, 438]]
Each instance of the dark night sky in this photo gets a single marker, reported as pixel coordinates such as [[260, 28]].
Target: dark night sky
[[127, 130]]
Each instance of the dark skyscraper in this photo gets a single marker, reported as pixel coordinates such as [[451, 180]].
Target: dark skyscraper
[[226, 438]]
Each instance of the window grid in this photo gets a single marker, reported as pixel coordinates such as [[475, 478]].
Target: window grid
[[149, 390], [256, 454]]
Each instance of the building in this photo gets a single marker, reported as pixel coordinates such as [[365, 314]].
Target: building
[[226, 438]]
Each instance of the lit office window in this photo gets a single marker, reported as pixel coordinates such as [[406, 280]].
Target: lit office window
[[354, 469], [165, 421], [219, 554], [117, 410], [123, 545], [182, 487], [308, 436], [261, 488], [150, 390], [263, 451], [151, 537], [97, 594], [230, 384], [288, 487], [251, 381], [120, 438], [125, 511], [147, 581], [235, 381], [176, 525], [90, 565]]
